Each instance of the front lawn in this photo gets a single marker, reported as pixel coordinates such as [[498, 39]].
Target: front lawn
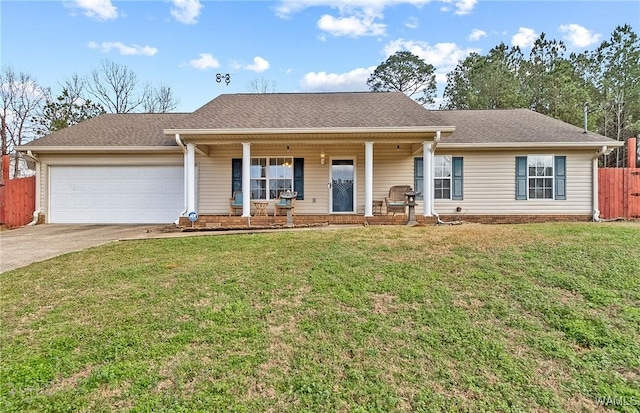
[[371, 319]]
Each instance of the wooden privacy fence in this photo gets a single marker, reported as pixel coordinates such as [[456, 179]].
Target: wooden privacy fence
[[619, 189], [17, 198], [619, 193], [17, 201]]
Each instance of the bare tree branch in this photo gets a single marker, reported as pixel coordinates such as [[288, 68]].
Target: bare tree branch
[[261, 85], [159, 99], [75, 86], [21, 98], [114, 86]]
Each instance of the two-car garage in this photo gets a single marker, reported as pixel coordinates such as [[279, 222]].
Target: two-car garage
[[115, 194]]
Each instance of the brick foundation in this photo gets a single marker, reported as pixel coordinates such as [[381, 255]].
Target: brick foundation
[[223, 222], [516, 219]]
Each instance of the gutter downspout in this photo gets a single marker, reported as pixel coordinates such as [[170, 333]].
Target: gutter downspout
[[184, 163], [36, 212], [596, 211], [436, 140]]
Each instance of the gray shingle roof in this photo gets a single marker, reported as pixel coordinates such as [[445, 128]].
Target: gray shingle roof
[[122, 129], [310, 110], [320, 110], [513, 126]]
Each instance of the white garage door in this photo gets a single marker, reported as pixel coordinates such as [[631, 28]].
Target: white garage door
[[115, 194]]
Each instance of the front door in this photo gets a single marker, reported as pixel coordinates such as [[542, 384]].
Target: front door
[[342, 185]]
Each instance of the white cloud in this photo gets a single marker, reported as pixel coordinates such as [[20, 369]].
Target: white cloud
[[578, 36], [352, 26], [204, 62], [524, 38], [477, 34], [360, 17], [286, 8], [353, 80], [465, 6], [97, 9], [443, 56], [21, 87], [123, 49], [411, 23], [186, 11], [259, 65], [441, 78]]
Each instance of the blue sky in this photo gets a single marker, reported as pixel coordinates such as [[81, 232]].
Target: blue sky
[[294, 45]]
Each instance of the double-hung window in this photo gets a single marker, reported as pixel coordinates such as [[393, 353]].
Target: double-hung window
[[442, 177], [270, 176], [541, 177], [447, 177]]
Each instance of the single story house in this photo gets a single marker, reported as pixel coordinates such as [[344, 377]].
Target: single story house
[[340, 152]]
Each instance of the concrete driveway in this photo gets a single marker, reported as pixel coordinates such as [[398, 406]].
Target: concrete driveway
[[23, 246]]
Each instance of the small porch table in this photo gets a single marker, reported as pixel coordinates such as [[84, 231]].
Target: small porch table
[[261, 208]]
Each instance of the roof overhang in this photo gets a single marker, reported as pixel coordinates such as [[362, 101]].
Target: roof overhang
[[294, 131], [527, 145], [99, 149], [324, 135]]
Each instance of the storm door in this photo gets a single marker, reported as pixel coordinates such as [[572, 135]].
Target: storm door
[[342, 185]]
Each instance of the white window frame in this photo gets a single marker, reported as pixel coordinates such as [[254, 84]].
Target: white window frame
[[533, 162], [270, 161], [440, 161]]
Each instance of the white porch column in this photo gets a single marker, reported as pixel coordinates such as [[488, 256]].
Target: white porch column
[[246, 179], [368, 179], [190, 172], [427, 179]]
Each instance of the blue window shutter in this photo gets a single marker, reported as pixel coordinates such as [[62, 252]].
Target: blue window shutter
[[418, 177], [298, 177], [236, 175], [560, 171], [457, 176], [521, 177]]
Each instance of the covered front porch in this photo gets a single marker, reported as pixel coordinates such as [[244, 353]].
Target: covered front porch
[[339, 176]]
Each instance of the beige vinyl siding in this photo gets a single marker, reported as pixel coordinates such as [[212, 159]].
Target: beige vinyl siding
[[489, 179], [47, 160], [489, 185], [214, 175], [213, 179], [391, 167]]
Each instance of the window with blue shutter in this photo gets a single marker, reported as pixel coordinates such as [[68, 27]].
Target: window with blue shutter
[[560, 175], [541, 177], [457, 175], [447, 179], [418, 177], [298, 177], [236, 175], [521, 177]]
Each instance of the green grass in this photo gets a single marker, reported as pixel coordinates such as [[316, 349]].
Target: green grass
[[371, 319]]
